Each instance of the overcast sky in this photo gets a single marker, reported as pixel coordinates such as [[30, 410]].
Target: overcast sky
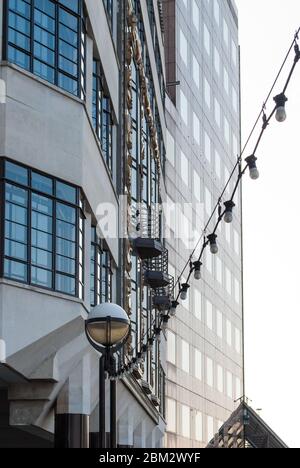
[[272, 220]]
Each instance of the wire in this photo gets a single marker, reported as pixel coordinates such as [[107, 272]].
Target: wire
[[241, 172], [266, 122]]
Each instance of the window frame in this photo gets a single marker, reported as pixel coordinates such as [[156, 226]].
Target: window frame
[[77, 206], [57, 70]]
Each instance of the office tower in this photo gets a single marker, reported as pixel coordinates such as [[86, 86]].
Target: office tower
[[81, 123], [205, 341]]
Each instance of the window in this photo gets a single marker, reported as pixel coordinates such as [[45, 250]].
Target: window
[[238, 341], [196, 71], [183, 48], [228, 333], [209, 372], [217, 164], [235, 104], [47, 38], [197, 186], [217, 11], [228, 233], [196, 15], [43, 231], [207, 93], [185, 421], [207, 147], [184, 169], [102, 114], [225, 33], [217, 61], [208, 201], [220, 379], [219, 324], [109, 5], [198, 427], [236, 238], [206, 39], [198, 304], [226, 131], [198, 365], [170, 148], [234, 53], [171, 347], [101, 272], [219, 270], [185, 356], [226, 81], [209, 314], [237, 291], [184, 108], [238, 388], [217, 112], [228, 281], [171, 415], [196, 128], [229, 384], [210, 428]]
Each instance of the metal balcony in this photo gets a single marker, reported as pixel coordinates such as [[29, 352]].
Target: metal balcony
[[146, 225]]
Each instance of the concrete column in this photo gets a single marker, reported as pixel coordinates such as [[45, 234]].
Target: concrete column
[[73, 409]]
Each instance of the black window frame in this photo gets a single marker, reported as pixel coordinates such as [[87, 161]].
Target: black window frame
[[58, 72], [101, 262], [78, 226]]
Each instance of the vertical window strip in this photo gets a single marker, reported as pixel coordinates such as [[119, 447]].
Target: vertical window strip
[[102, 115]]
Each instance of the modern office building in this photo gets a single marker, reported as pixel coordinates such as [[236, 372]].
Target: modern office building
[[205, 341], [82, 121]]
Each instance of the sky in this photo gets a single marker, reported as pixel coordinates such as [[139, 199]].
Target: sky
[[271, 219]]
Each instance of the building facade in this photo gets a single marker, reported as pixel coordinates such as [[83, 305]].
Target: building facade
[[82, 121], [205, 340]]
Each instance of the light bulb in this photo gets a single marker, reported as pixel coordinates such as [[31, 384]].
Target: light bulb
[[280, 101], [228, 216], [173, 309], [197, 270], [184, 291], [254, 173], [280, 114], [212, 239]]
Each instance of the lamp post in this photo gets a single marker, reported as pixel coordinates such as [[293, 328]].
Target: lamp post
[[106, 329]]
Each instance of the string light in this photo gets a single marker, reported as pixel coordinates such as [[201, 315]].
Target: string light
[[197, 270], [227, 215], [212, 239], [184, 291], [280, 101]]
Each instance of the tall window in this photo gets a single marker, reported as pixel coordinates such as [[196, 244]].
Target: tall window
[[109, 5], [47, 38], [43, 231], [102, 114], [101, 272]]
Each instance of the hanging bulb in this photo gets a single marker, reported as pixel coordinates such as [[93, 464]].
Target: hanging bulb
[[212, 239], [184, 290], [228, 216], [165, 322], [140, 358], [145, 351], [251, 161], [280, 100], [150, 343], [197, 270], [173, 309]]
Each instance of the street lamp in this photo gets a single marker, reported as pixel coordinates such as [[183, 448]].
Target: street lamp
[[106, 329]]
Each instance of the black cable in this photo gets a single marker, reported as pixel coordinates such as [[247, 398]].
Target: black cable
[[266, 122]]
